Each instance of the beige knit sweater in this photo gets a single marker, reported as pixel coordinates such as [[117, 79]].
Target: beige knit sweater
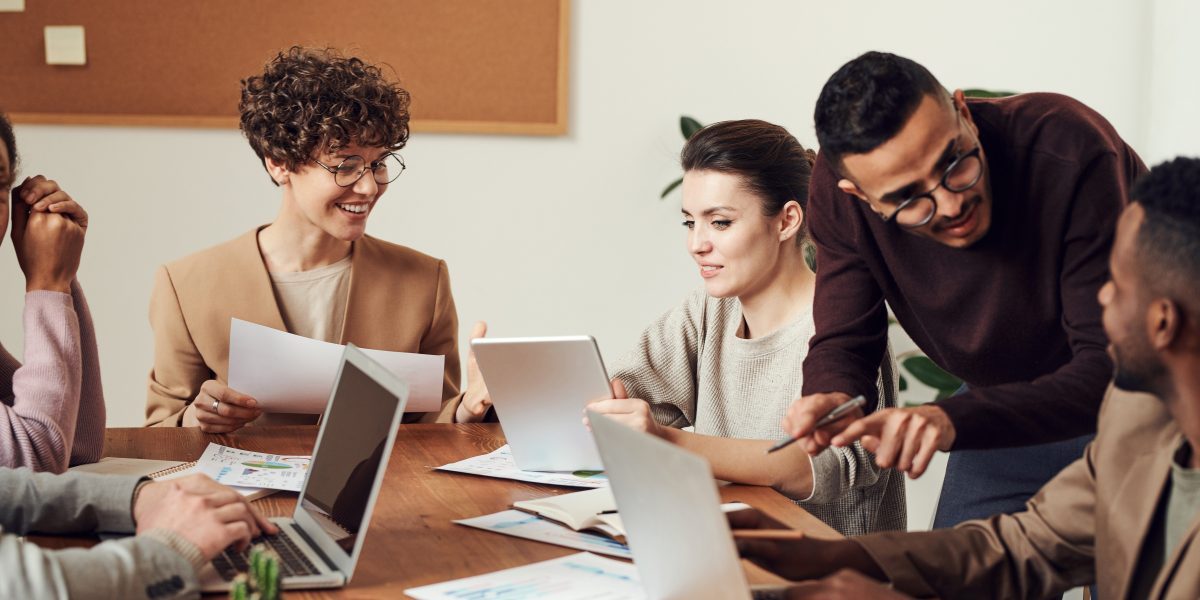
[[696, 372]]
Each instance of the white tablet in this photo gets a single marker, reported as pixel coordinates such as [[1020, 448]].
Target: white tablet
[[539, 387]]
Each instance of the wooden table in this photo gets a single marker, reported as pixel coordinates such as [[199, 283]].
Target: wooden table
[[412, 540]]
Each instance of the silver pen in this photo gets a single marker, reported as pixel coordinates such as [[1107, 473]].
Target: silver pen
[[838, 412]]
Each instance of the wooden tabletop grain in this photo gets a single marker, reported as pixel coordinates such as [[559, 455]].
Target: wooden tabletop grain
[[412, 540]]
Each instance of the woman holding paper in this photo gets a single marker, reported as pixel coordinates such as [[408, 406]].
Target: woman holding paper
[[727, 362], [327, 129], [52, 406]]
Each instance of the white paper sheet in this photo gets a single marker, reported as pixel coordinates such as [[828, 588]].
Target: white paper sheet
[[580, 576], [294, 374], [531, 527], [499, 463], [245, 468]]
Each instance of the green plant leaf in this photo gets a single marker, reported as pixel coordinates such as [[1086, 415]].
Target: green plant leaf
[[943, 394], [903, 383], [689, 126], [931, 375], [978, 93], [670, 188], [810, 256]]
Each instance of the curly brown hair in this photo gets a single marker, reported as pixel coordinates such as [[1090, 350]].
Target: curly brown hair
[[310, 100]]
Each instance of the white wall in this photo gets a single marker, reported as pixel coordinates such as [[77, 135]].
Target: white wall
[[566, 234]]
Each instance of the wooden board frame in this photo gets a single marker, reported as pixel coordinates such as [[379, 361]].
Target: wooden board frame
[[556, 125]]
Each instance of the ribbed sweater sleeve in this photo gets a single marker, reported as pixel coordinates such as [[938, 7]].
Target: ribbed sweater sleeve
[[89, 429], [39, 400]]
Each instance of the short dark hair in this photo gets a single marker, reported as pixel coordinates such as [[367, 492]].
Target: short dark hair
[[770, 161], [309, 100], [867, 101], [1168, 242], [10, 143]]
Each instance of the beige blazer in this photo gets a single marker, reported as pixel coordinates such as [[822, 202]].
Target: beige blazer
[[1087, 524], [399, 300]]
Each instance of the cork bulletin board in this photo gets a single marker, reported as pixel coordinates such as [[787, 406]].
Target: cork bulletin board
[[478, 66]]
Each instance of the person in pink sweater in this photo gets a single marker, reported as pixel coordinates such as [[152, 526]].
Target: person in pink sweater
[[52, 406]]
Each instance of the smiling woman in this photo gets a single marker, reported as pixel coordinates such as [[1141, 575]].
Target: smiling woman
[[727, 362], [327, 129]]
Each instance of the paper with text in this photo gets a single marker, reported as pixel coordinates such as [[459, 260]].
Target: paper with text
[[245, 468], [531, 527], [290, 373], [499, 463], [580, 576]]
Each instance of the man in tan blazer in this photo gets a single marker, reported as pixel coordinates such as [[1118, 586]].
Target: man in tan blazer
[[1126, 516]]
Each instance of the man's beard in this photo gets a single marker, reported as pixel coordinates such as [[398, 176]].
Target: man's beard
[[1134, 375]]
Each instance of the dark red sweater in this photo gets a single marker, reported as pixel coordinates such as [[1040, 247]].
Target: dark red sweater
[[1015, 315]]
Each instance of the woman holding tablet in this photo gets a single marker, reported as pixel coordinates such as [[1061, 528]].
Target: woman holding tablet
[[327, 129], [727, 362]]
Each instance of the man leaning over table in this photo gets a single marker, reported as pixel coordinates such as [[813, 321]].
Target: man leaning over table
[[181, 525], [985, 224], [1127, 514]]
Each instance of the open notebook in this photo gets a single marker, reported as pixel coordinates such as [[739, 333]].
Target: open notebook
[[159, 470]]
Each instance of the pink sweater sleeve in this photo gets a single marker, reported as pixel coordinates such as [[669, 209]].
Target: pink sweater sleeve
[[89, 429], [40, 401]]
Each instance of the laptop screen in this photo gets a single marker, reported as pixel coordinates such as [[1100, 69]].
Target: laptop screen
[[346, 461]]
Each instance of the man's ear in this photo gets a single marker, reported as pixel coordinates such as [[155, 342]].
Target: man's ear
[[851, 188], [959, 102], [1164, 323], [277, 170]]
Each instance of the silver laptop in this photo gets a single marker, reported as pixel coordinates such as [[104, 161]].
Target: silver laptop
[[539, 386], [671, 511], [322, 542]]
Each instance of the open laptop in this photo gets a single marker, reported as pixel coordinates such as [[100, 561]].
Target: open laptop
[[539, 386], [322, 542], [671, 511]]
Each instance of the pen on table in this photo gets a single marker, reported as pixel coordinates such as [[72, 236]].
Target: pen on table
[[608, 512], [838, 412]]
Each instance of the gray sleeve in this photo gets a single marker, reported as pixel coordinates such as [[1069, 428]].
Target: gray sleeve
[[66, 503], [661, 368], [141, 567], [135, 567], [838, 470]]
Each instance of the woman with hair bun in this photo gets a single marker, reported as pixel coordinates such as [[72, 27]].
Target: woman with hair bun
[[726, 363], [328, 130]]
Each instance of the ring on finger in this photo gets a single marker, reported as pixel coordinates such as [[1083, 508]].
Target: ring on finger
[[216, 406]]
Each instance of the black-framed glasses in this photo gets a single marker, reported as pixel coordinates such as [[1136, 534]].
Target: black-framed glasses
[[961, 175], [351, 169]]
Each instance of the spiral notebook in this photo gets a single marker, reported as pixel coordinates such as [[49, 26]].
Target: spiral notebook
[[159, 470]]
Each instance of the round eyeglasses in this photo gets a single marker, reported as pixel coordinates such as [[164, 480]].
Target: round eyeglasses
[[351, 169], [961, 175]]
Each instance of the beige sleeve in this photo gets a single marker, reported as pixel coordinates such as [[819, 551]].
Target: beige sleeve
[[442, 339], [1038, 553], [179, 369]]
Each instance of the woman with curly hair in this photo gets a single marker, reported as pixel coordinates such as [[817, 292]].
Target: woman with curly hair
[[327, 129]]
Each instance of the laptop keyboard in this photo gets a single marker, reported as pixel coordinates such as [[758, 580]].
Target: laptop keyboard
[[292, 562]]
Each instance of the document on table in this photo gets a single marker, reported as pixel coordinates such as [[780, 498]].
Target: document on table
[[290, 373], [531, 527], [580, 576], [245, 468], [499, 463]]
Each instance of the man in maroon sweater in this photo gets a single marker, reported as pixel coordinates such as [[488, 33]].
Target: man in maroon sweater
[[986, 226]]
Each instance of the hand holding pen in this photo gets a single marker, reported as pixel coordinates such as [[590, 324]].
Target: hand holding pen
[[795, 425]]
